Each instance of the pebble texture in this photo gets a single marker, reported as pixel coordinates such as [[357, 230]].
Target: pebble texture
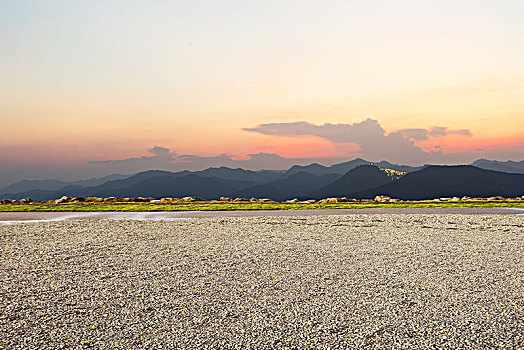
[[311, 282]]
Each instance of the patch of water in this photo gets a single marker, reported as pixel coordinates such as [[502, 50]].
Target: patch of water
[[518, 209], [145, 216]]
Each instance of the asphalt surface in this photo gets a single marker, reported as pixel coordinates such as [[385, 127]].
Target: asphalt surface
[[369, 281]]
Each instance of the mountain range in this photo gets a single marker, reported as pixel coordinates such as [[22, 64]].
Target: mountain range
[[355, 179], [506, 167]]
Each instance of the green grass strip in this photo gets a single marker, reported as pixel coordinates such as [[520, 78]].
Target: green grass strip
[[147, 207]]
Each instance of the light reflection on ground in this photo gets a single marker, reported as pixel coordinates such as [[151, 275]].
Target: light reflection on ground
[[28, 217]]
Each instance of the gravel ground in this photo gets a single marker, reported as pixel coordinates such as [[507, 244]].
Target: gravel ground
[[316, 282]]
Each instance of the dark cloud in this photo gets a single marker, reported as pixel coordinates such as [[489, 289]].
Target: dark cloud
[[437, 131], [161, 152], [375, 144], [334, 132], [415, 134], [160, 155]]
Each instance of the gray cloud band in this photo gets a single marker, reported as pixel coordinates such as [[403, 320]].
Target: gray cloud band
[[373, 140]]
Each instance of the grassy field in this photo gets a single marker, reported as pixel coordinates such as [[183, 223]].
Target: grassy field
[[206, 206]]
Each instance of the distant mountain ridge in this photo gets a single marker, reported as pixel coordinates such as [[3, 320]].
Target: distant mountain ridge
[[506, 167], [158, 183], [27, 185], [356, 179], [342, 168], [240, 174]]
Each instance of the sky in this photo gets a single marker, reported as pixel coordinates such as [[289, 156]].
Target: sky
[[90, 88]]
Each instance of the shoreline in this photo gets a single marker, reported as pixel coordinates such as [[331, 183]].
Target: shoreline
[[16, 217]]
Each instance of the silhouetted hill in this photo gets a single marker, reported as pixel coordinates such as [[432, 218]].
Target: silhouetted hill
[[37, 195], [109, 186], [31, 185], [76, 190], [315, 169], [298, 185], [239, 174], [343, 168], [155, 183], [363, 181], [173, 186], [38, 188], [260, 191], [507, 167], [131, 181], [28, 185], [319, 170], [359, 178], [448, 181], [303, 181]]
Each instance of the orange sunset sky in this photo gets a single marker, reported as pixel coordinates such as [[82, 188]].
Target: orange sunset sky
[[90, 88]]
